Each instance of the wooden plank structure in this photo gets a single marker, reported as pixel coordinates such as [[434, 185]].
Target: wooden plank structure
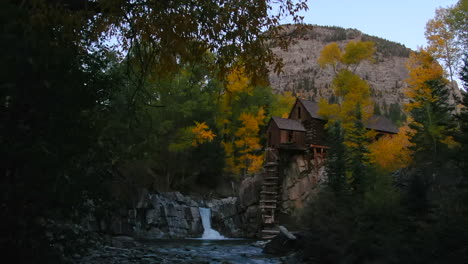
[[269, 194]]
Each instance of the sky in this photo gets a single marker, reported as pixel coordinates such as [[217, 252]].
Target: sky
[[402, 21]]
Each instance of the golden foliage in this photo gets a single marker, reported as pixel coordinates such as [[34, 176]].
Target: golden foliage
[[354, 53], [330, 55], [238, 82], [422, 67], [241, 128], [351, 91], [248, 142], [391, 152], [358, 51], [442, 39], [191, 136], [201, 134]]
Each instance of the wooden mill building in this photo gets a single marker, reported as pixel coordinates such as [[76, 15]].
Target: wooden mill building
[[303, 131], [305, 128]]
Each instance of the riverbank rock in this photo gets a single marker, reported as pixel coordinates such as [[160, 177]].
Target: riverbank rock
[[225, 216], [171, 215], [249, 197], [283, 244], [167, 215], [301, 182]]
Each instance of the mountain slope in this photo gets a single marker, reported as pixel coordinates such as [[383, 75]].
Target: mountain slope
[[302, 75]]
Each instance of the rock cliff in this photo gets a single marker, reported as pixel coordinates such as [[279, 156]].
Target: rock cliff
[[171, 215], [302, 75]]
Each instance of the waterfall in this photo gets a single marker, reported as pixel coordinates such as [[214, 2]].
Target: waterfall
[[209, 233]]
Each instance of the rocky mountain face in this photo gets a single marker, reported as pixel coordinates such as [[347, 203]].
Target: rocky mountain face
[[303, 76]]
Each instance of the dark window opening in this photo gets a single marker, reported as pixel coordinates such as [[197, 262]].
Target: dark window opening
[[290, 136], [299, 112]]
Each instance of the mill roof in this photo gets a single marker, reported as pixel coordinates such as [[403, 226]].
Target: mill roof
[[376, 122], [288, 124], [312, 108], [381, 123]]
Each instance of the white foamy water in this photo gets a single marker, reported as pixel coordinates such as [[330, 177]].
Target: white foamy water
[[209, 232]]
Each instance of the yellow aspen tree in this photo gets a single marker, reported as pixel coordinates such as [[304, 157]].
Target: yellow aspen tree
[[442, 41], [201, 134], [330, 56], [248, 142], [240, 127], [191, 136], [422, 68], [391, 152], [353, 54], [350, 89]]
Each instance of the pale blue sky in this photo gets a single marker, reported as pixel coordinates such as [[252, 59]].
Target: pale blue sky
[[401, 21]]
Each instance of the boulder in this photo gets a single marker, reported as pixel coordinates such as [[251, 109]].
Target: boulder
[[283, 244], [249, 191]]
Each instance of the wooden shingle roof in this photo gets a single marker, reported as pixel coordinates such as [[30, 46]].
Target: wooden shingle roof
[[288, 124], [312, 108], [376, 122], [381, 123]]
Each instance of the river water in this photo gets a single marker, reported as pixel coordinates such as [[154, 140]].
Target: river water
[[211, 248], [229, 251]]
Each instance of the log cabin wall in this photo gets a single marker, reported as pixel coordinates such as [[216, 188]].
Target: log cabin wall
[[290, 136], [273, 135], [299, 112], [316, 133]]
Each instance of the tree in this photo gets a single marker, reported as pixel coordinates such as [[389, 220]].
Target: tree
[[457, 17], [431, 120], [357, 153], [462, 135], [350, 91], [354, 53], [353, 106], [241, 116], [442, 41], [330, 55], [391, 153], [62, 131], [336, 161]]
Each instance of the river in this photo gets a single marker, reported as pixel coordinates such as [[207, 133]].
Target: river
[[232, 251], [184, 251], [211, 248]]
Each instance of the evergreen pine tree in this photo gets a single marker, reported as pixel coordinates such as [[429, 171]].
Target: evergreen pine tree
[[462, 136], [336, 163], [357, 160], [432, 124]]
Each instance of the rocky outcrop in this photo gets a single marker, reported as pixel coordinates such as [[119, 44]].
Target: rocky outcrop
[[226, 217], [301, 182], [167, 215], [249, 195], [170, 215]]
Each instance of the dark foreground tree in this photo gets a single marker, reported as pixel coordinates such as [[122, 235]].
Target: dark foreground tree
[[56, 83], [462, 136]]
